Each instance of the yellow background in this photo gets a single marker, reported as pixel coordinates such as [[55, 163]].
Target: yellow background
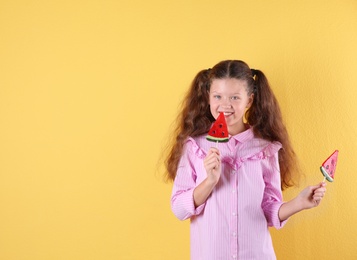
[[88, 92]]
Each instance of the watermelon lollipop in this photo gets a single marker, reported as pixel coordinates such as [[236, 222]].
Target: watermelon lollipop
[[329, 166], [219, 130]]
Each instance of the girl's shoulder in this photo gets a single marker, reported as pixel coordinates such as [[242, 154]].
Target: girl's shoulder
[[260, 142], [197, 139], [262, 147], [196, 145]]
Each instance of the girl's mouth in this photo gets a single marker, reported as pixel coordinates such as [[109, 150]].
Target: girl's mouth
[[227, 114]]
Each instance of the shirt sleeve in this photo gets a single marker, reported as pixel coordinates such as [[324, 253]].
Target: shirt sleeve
[[182, 203], [273, 198]]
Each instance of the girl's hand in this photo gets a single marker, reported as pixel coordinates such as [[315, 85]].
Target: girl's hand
[[311, 196], [308, 198], [212, 164]]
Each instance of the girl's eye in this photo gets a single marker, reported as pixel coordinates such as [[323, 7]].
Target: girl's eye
[[217, 96], [235, 98]]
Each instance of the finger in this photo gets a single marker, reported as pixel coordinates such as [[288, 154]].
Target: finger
[[317, 202], [212, 158], [214, 163], [320, 191], [213, 150], [315, 187], [317, 198]]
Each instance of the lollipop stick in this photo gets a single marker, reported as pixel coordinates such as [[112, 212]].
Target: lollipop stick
[[216, 144], [324, 179]]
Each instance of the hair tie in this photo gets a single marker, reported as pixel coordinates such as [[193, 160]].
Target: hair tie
[[254, 72]]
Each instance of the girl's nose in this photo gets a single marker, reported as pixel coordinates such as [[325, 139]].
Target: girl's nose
[[226, 103], [226, 106]]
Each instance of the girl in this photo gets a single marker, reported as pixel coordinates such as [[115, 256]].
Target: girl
[[233, 193]]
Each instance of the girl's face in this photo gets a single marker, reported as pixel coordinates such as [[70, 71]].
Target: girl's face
[[230, 96]]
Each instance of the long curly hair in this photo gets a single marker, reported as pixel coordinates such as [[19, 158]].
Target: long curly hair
[[264, 116]]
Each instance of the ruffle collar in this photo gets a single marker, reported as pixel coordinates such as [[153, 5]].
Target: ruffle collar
[[269, 150]]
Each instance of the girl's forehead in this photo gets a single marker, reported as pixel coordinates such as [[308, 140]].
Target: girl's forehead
[[228, 84]]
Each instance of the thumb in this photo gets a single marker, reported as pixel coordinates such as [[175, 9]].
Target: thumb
[[322, 184], [315, 187]]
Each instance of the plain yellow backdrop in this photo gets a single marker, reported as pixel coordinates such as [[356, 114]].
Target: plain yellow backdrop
[[88, 93]]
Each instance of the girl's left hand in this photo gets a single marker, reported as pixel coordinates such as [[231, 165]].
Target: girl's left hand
[[311, 196]]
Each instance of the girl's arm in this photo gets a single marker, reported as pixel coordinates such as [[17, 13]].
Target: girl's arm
[[212, 164], [308, 198]]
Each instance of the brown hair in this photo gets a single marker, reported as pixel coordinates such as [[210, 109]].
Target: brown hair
[[264, 116]]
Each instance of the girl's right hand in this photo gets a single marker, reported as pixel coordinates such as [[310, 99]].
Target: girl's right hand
[[212, 164]]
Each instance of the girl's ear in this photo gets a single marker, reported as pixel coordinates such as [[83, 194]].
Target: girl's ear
[[250, 101]]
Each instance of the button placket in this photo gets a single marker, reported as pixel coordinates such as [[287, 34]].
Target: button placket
[[234, 216]]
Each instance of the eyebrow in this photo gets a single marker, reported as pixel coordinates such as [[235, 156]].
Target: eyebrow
[[233, 94]]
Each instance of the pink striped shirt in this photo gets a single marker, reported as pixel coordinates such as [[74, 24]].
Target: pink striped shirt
[[233, 222]]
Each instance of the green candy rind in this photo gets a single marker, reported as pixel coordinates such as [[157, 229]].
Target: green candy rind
[[217, 139], [325, 174]]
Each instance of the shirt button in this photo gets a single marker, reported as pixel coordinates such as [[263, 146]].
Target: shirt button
[[234, 234], [233, 191], [234, 256], [234, 214]]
